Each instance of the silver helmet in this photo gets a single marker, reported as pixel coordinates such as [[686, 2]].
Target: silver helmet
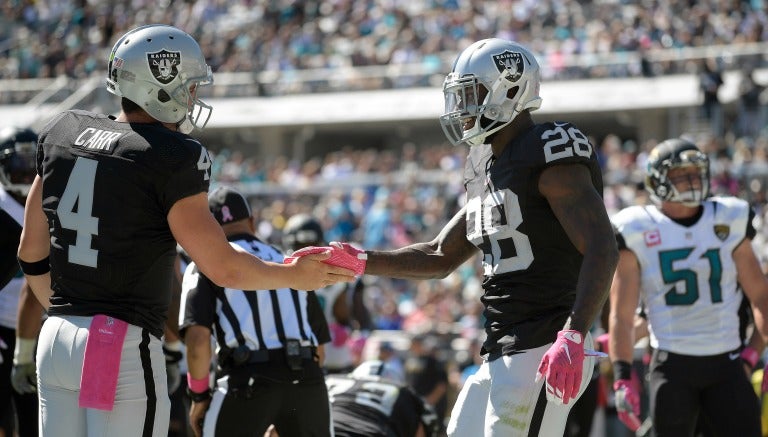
[[160, 68], [492, 81]]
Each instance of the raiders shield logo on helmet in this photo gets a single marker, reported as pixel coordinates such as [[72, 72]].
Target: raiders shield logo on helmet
[[164, 65], [512, 62], [722, 231]]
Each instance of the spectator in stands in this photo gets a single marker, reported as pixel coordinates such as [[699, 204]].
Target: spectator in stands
[[710, 82]]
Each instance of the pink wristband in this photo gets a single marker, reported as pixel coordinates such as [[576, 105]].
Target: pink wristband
[[197, 385], [750, 356]]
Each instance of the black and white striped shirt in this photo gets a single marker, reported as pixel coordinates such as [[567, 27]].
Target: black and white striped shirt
[[261, 319]]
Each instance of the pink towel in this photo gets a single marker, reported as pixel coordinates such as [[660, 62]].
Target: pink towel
[[101, 365]]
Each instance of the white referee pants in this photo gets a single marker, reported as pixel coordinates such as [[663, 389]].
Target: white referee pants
[[502, 399], [142, 407]]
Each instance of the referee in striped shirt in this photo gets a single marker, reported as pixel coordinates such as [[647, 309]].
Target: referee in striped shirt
[[268, 345]]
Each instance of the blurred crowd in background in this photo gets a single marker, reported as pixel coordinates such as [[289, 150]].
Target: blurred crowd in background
[[372, 197], [49, 38]]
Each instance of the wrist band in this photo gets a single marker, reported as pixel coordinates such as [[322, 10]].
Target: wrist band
[[622, 370], [199, 385], [36, 268], [750, 356], [24, 351]]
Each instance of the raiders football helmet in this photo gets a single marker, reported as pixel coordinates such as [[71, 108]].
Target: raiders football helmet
[[671, 154], [161, 68], [376, 368], [302, 230], [18, 147], [492, 81]]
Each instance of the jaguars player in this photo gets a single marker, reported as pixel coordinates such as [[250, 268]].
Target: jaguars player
[[687, 258], [535, 212]]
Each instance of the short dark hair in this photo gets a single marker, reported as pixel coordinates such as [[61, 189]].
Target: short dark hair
[[128, 106]]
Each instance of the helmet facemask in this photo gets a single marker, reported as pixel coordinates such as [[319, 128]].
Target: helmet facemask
[[492, 82], [198, 112]]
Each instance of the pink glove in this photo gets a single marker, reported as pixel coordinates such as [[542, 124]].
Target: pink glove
[[602, 342], [562, 367], [627, 404], [340, 257]]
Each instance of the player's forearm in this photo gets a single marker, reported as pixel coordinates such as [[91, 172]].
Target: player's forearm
[[621, 341], [29, 314], [41, 287], [419, 261], [592, 291]]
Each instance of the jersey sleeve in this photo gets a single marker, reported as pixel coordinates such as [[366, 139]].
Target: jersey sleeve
[[189, 176], [198, 300], [563, 143], [317, 320]]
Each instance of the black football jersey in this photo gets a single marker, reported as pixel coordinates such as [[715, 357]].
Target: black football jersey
[[107, 189], [374, 407], [530, 265]]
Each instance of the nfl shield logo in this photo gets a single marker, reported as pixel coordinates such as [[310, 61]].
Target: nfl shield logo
[[164, 65], [652, 238], [722, 231], [512, 62]]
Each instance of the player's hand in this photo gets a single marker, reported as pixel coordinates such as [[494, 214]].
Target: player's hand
[[196, 415], [314, 273], [24, 378], [351, 250], [172, 370], [627, 404], [562, 367]]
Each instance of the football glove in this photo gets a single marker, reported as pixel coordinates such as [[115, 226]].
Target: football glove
[[627, 404], [561, 367], [24, 372], [342, 255], [173, 356]]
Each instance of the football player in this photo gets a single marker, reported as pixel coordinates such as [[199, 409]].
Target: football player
[[689, 259], [373, 402], [534, 210], [112, 197], [20, 313]]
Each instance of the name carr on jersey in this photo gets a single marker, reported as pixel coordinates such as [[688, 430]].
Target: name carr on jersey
[[97, 139]]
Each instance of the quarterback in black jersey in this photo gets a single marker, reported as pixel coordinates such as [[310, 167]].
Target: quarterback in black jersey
[[111, 198], [535, 211]]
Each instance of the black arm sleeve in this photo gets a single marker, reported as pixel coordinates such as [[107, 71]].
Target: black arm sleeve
[[9, 245], [317, 318]]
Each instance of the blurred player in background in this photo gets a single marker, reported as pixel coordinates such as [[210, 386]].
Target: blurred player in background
[[343, 304], [690, 260], [20, 312], [373, 402]]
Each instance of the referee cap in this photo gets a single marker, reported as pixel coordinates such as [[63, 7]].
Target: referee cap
[[228, 205]]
